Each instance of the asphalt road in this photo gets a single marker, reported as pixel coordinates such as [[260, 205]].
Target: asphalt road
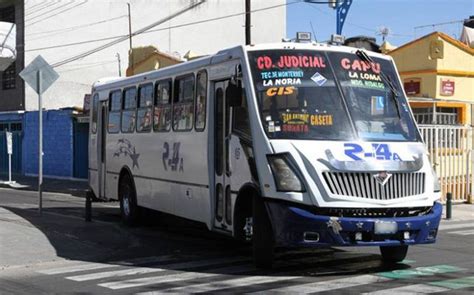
[[61, 253]]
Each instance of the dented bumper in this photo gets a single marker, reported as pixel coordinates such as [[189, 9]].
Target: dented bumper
[[297, 227]]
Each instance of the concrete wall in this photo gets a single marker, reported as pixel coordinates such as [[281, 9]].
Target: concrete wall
[[57, 143], [77, 21]]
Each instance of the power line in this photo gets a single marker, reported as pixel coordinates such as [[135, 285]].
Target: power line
[[162, 29], [146, 28], [38, 5], [439, 24], [42, 8], [69, 29], [62, 11], [49, 11]]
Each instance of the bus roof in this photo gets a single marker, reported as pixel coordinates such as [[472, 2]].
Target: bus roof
[[118, 82]]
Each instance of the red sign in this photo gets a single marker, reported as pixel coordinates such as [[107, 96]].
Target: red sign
[[412, 86], [447, 87]]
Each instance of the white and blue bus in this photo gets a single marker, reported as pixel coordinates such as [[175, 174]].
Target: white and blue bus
[[284, 145]]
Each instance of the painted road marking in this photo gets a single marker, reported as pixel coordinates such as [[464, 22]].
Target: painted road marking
[[145, 270], [232, 283], [444, 226], [75, 268], [432, 287], [328, 285], [455, 283], [95, 266], [420, 271], [410, 289], [462, 232], [182, 276]]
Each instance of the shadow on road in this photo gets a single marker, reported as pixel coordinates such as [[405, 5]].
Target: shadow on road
[[106, 240]]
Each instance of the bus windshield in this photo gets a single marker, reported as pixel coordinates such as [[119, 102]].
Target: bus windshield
[[305, 94]]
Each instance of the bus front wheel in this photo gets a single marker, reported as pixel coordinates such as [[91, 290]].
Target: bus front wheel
[[262, 236], [393, 254], [129, 209]]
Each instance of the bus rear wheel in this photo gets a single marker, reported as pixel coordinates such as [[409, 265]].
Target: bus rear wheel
[[129, 209], [262, 235], [393, 254]]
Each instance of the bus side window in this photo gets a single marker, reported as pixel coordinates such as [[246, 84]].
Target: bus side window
[[201, 99], [241, 123], [183, 103], [95, 108], [145, 104], [115, 106], [129, 108], [162, 113]]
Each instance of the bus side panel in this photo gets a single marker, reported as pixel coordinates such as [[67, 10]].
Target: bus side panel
[[151, 179], [191, 192], [93, 166]]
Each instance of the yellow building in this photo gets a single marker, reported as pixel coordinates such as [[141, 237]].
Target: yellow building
[[437, 72]]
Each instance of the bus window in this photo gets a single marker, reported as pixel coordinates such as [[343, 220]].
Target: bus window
[[201, 98], [129, 107], [145, 104], [95, 107], [240, 116], [115, 101], [162, 114], [183, 108]]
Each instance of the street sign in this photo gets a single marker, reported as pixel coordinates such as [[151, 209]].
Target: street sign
[[39, 75], [9, 142], [30, 74]]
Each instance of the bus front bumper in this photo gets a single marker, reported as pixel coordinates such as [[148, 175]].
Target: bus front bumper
[[296, 227]]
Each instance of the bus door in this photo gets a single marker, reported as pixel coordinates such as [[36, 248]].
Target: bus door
[[222, 189], [101, 147]]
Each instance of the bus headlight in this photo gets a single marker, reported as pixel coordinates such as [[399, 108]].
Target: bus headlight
[[285, 173], [436, 184]]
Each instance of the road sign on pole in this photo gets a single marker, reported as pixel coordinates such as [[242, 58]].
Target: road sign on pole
[[39, 75], [9, 151]]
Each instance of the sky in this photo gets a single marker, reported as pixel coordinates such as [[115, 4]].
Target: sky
[[367, 17]]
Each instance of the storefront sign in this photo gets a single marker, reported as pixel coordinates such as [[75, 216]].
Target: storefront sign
[[412, 86], [447, 87]]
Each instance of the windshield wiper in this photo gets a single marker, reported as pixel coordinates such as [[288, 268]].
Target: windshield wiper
[[395, 94]]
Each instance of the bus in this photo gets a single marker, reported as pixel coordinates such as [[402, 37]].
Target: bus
[[283, 145]]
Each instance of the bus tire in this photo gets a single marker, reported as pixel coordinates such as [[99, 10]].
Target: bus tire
[[262, 236], [129, 209], [393, 254]]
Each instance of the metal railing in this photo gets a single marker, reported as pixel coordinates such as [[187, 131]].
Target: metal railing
[[450, 151]]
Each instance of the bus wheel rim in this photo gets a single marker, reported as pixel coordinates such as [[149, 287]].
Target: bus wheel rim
[[126, 204]]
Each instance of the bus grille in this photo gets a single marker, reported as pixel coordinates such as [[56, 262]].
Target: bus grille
[[364, 185]]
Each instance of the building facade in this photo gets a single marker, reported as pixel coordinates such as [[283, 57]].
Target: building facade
[[437, 72]]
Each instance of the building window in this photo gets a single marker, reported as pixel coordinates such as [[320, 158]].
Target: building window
[[9, 78], [201, 98], [162, 113], [145, 105], [129, 110], [183, 103], [115, 99]]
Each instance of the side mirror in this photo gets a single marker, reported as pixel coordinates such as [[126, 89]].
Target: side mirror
[[233, 94]]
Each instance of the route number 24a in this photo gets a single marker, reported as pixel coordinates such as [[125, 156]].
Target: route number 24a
[[379, 151], [171, 158]]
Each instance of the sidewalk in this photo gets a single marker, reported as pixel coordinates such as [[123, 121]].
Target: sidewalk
[[75, 188]]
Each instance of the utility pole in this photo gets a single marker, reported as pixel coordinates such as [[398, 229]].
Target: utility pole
[[119, 64], [130, 38], [247, 23]]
